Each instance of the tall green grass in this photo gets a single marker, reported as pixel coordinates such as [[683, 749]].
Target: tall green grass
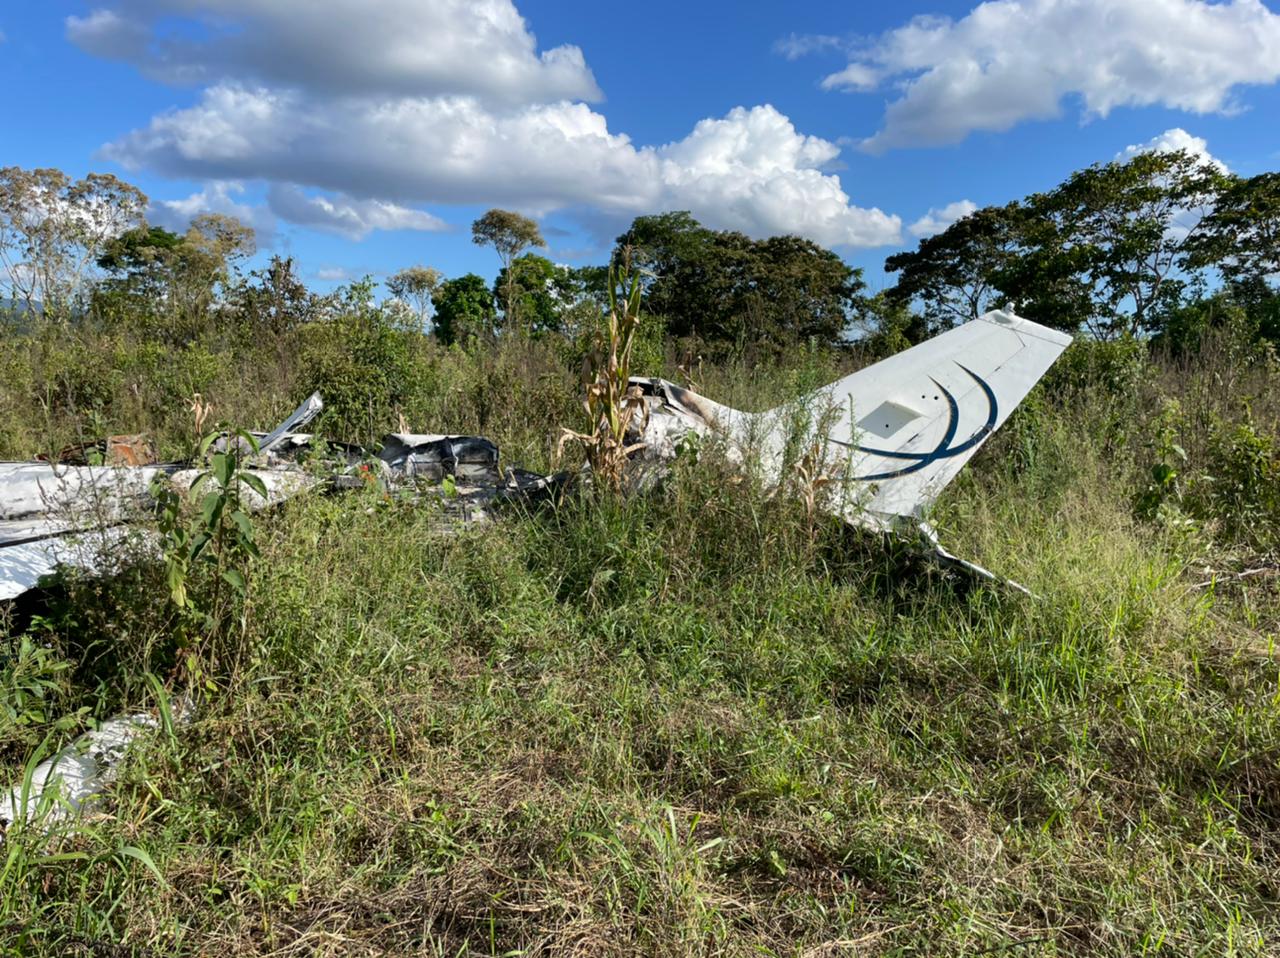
[[691, 724]]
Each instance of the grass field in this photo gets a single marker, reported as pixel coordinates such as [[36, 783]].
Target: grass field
[[701, 724]]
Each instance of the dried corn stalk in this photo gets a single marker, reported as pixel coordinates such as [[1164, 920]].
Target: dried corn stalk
[[613, 405]]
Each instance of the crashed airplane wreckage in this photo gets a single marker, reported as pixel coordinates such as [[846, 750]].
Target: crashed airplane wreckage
[[79, 515], [892, 436]]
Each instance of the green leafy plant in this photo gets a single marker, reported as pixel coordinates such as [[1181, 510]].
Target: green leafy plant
[[207, 555], [1165, 487], [33, 684], [1242, 488]]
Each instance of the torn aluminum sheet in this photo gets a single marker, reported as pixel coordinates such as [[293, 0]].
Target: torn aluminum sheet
[[887, 439], [280, 484], [63, 786], [76, 495], [310, 408], [89, 534], [282, 444], [53, 514], [470, 503], [24, 563], [432, 457], [77, 515]]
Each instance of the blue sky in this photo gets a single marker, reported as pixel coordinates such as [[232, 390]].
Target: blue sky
[[361, 136]]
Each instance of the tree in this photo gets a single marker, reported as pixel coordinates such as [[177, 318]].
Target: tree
[[54, 229], [675, 255], [464, 309], [213, 248], [1129, 228], [141, 267], [416, 286], [165, 283], [223, 237], [996, 257], [889, 326], [509, 234], [275, 300], [582, 295], [727, 287], [541, 291], [1109, 248], [1048, 279], [799, 290], [138, 262], [955, 275], [1241, 235]]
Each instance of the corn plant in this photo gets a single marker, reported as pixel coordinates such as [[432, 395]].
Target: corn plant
[[612, 404]]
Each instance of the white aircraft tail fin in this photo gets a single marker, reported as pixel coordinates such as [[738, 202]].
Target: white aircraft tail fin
[[895, 433], [904, 427]]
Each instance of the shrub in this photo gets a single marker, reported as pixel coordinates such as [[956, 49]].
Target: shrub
[[363, 367]]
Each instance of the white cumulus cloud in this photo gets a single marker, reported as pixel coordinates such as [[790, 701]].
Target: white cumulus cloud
[[1008, 61], [749, 170], [1171, 141], [354, 219], [347, 47], [939, 218], [216, 197], [496, 124]]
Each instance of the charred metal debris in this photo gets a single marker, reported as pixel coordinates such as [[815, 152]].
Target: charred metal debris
[[78, 508]]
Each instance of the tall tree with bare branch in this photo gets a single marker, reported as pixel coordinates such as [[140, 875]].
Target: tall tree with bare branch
[[510, 234]]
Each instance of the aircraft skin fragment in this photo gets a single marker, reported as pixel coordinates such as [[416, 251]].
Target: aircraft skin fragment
[[60, 787]]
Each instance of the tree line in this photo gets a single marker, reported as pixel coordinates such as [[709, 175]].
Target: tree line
[[1141, 247], [1157, 245]]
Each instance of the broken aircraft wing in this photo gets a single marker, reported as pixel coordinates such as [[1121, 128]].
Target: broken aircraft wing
[[46, 511], [53, 514]]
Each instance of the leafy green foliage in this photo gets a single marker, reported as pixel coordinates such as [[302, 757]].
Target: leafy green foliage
[[1241, 235], [538, 288], [274, 301], [1241, 485], [218, 539], [363, 366], [464, 310], [726, 288], [52, 229], [509, 234], [1129, 228], [1113, 248], [34, 682], [955, 275], [162, 285]]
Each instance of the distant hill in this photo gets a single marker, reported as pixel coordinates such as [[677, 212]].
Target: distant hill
[[19, 316]]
